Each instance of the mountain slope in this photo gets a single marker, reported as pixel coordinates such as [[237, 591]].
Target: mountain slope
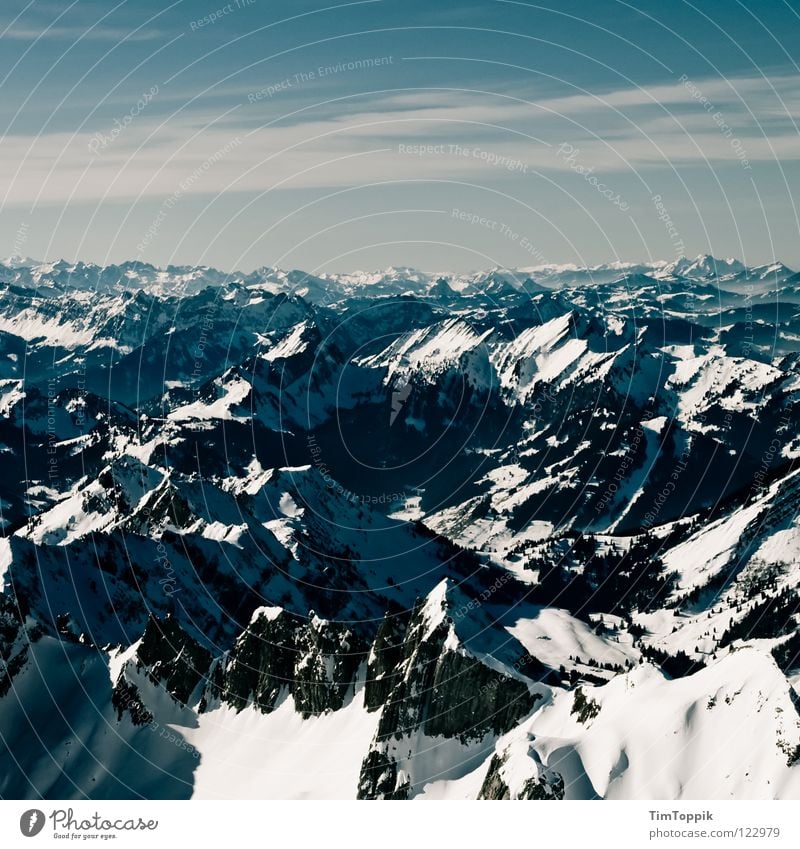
[[523, 533]]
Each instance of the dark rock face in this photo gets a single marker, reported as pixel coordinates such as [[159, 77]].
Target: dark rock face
[[14, 640], [441, 691], [378, 778], [542, 789], [326, 670], [449, 693], [547, 785], [384, 660], [173, 659], [125, 698], [471, 700], [260, 665], [314, 660], [493, 786]]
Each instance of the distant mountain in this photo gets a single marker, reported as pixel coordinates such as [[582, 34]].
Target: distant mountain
[[704, 266], [18, 261], [187, 280]]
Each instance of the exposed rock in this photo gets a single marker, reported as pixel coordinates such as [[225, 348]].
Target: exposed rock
[[315, 660], [379, 778], [441, 690], [541, 785], [384, 660], [173, 659], [542, 788], [585, 707], [326, 670], [15, 636], [125, 698], [445, 690], [261, 663], [494, 787]]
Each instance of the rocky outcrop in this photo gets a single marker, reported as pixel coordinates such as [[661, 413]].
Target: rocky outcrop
[[494, 786], [540, 784], [15, 637], [445, 690], [173, 659], [260, 665], [314, 660], [384, 660], [125, 698], [380, 778], [440, 690], [325, 672]]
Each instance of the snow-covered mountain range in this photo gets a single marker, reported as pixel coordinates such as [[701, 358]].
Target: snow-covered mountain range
[[525, 533]]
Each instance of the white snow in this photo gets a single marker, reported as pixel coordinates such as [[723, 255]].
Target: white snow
[[429, 350], [289, 346], [250, 755], [6, 558], [235, 391], [11, 392], [554, 635], [710, 549]]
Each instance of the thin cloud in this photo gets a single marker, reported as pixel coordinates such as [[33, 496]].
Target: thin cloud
[[152, 155], [73, 33]]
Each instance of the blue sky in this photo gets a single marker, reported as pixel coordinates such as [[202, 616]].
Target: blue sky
[[334, 136]]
